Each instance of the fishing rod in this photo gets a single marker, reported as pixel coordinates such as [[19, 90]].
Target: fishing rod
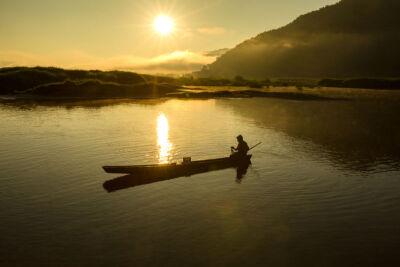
[[255, 146]]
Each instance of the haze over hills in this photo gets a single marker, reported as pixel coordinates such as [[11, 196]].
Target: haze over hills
[[216, 53], [353, 38]]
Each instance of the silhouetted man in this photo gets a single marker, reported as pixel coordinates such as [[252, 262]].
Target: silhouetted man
[[241, 149]]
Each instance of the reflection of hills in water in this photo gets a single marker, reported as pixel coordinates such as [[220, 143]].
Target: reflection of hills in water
[[357, 135]]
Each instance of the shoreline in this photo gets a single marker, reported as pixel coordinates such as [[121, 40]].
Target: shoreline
[[215, 92], [178, 95]]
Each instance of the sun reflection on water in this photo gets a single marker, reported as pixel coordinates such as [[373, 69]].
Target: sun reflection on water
[[164, 145]]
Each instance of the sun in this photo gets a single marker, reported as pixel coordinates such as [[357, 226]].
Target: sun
[[163, 25]]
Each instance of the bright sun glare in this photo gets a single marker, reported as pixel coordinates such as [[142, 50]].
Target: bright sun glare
[[163, 24], [164, 144]]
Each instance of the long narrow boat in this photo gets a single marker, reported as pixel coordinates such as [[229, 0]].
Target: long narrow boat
[[180, 169]]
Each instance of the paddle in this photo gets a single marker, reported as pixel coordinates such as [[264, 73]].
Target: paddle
[[255, 146], [232, 148]]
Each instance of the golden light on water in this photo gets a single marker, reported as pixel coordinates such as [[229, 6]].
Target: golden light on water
[[164, 145], [163, 24]]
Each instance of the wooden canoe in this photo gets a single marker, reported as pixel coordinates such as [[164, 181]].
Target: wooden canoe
[[182, 169]]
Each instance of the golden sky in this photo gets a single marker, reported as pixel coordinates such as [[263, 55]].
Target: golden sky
[[120, 34]]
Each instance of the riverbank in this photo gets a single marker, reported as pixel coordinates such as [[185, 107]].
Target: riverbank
[[41, 84], [329, 93], [54, 83], [210, 92]]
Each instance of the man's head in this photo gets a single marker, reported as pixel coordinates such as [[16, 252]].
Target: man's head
[[239, 138]]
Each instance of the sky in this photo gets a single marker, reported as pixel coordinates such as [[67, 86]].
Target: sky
[[119, 34]]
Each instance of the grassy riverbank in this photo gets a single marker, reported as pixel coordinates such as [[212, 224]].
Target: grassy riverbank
[[55, 82], [48, 82]]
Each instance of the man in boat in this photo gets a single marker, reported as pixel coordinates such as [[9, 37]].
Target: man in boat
[[242, 148]]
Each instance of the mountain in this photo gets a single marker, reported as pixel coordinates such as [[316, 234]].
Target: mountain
[[353, 38]]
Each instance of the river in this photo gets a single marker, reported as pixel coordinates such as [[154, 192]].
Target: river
[[322, 190]]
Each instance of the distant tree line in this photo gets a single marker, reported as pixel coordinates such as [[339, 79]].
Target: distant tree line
[[243, 82], [365, 83]]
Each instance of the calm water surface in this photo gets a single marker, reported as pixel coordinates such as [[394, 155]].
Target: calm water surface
[[323, 189]]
